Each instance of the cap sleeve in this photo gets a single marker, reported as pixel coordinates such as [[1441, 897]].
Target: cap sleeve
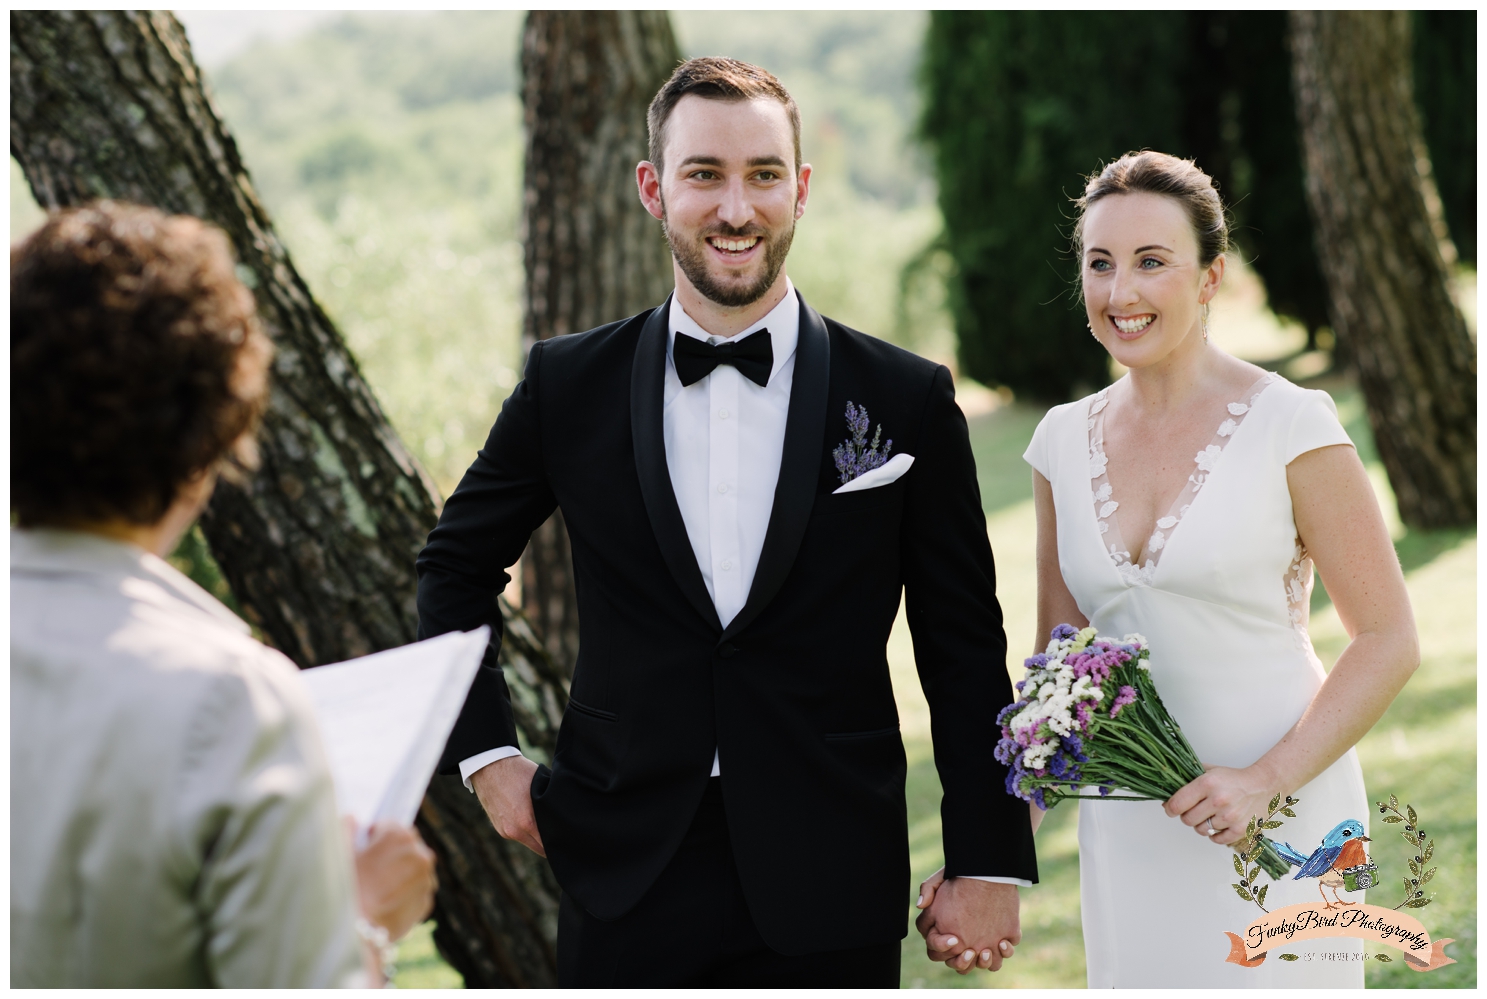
[[1037, 449], [1314, 425]]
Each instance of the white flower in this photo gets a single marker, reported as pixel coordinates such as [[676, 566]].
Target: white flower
[[1208, 457], [1103, 493], [1108, 508], [1228, 427], [1167, 522], [1097, 462], [1238, 408], [1156, 542]]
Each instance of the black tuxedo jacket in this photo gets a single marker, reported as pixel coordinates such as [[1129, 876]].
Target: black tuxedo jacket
[[795, 692]]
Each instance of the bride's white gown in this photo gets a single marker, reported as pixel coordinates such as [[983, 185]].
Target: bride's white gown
[[1222, 597]]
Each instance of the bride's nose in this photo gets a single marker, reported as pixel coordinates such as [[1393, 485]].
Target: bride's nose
[[1123, 290]]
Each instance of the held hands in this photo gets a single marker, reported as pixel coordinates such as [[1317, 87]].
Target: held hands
[[395, 881], [505, 791], [968, 923], [1224, 798]]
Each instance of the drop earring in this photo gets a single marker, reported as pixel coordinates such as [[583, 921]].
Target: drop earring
[[1092, 331], [1205, 322]]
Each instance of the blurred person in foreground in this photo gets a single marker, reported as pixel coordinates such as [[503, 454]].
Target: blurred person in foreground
[[173, 822]]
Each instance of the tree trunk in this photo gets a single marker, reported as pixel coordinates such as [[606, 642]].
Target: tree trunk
[[319, 546], [1379, 235], [593, 253]]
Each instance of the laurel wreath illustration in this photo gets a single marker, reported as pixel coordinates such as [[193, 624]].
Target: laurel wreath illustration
[[1244, 848], [1424, 847]]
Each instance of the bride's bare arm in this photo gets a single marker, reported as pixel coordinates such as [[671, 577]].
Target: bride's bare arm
[[1056, 604], [1341, 525]]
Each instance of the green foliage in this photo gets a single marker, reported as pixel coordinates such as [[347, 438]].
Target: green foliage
[[1446, 93], [1019, 107]]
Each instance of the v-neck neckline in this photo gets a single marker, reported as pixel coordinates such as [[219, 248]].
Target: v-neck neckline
[[1105, 503]]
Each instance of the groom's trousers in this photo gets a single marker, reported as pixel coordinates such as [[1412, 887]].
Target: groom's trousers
[[692, 928]]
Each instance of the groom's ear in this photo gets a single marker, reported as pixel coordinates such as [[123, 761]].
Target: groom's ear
[[648, 180], [802, 188]]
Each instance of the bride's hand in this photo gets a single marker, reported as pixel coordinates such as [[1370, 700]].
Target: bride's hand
[[1224, 799]]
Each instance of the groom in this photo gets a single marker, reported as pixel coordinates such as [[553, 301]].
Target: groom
[[726, 803]]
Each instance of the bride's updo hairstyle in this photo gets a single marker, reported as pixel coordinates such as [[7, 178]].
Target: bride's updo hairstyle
[[1158, 173]]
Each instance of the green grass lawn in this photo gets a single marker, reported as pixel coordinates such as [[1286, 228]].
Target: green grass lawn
[[1423, 750]]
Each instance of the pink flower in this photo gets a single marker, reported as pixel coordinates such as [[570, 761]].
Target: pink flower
[[1126, 696]]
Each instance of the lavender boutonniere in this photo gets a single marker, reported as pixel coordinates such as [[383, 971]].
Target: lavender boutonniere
[[856, 456]]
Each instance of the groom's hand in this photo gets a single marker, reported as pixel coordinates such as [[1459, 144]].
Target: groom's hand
[[968, 923], [505, 791]]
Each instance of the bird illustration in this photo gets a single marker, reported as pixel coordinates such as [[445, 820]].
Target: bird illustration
[[1341, 849]]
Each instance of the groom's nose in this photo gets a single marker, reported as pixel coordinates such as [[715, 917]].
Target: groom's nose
[[735, 208]]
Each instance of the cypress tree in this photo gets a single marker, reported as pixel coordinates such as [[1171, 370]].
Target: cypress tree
[[1445, 73], [1019, 107]]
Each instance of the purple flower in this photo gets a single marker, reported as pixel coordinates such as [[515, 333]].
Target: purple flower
[[1037, 799], [856, 456], [1126, 696], [1035, 662], [1063, 631]]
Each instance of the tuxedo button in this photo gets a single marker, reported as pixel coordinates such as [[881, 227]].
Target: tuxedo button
[[722, 487], [727, 650], [726, 565]]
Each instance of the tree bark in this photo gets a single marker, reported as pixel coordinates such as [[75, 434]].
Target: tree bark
[[1380, 236], [318, 547], [593, 253]]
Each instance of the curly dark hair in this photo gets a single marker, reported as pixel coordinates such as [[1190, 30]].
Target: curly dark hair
[[137, 363]]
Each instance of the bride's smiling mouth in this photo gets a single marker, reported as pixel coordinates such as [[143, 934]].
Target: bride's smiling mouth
[[1130, 327]]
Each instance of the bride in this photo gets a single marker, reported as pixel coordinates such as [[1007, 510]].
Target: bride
[[1189, 502]]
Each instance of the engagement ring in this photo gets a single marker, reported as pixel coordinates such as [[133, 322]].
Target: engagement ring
[[1211, 830]]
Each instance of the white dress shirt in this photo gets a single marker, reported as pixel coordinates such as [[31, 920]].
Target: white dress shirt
[[724, 438]]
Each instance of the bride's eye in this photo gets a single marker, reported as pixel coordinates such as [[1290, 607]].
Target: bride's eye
[[1099, 266], [1152, 261]]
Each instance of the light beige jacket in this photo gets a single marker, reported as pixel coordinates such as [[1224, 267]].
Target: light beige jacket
[[172, 821]]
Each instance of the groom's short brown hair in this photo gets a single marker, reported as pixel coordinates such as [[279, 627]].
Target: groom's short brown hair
[[716, 78]]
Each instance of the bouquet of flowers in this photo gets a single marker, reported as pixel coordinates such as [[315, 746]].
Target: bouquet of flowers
[[1090, 717]]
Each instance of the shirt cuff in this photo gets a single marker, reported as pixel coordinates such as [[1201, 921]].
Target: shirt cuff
[[1019, 882], [474, 763]]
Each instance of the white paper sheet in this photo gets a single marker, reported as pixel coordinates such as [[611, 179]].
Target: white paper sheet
[[384, 719]]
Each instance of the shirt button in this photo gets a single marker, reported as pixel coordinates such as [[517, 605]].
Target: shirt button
[[722, 414], [722, 487], [727, 565]]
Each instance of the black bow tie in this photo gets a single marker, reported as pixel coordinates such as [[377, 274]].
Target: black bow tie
[[752, 356]]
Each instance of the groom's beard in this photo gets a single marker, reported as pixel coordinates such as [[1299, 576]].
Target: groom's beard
[[693, 257]]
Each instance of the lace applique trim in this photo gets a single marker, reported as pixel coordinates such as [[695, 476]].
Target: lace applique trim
[[1105, 504], [1298, 583]]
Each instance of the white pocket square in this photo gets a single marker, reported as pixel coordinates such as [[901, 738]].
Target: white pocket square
[[880, 476]]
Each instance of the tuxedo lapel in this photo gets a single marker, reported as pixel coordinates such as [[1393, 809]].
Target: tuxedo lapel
[[800, 467], [647, 391]]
